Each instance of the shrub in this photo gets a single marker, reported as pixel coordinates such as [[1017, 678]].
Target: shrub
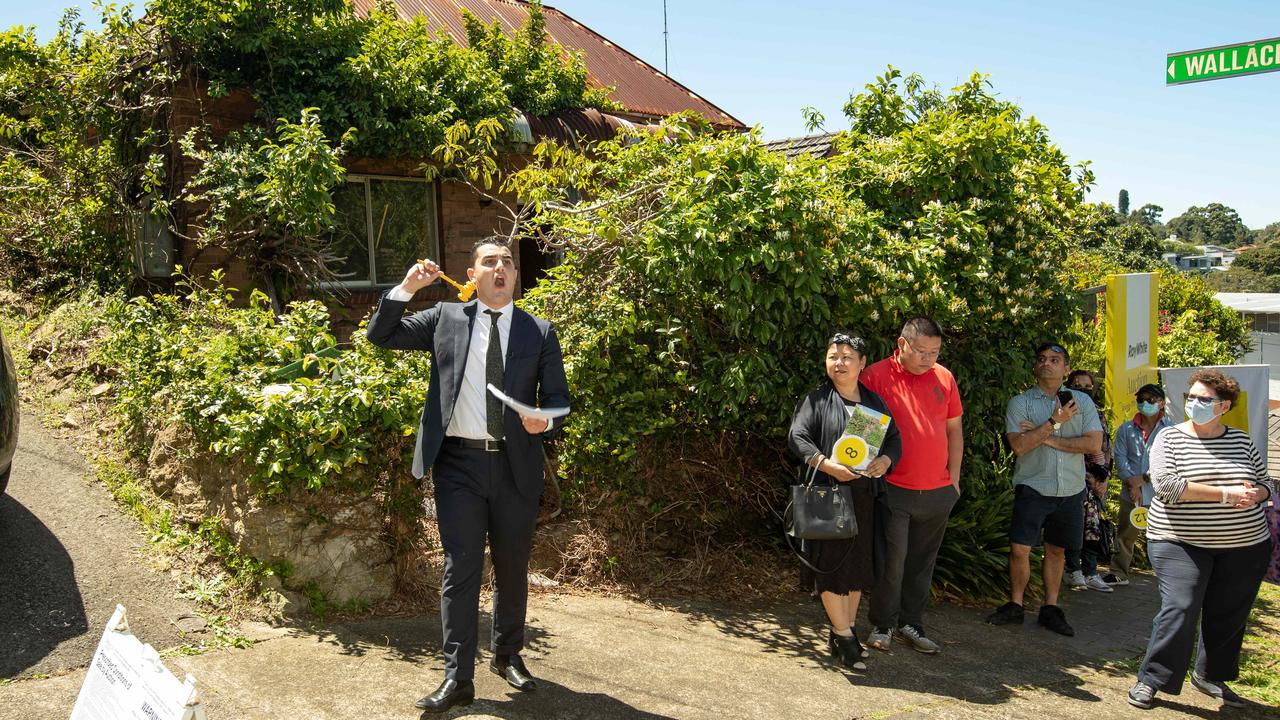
[[704, 273], [199, 360]]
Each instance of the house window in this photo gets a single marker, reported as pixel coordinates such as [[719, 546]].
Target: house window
[[154, 251], [383, 226]]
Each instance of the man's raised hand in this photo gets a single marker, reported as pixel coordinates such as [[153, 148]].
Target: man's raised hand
[[420, 275]]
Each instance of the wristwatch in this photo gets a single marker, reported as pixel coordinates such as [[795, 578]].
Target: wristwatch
[[1056, 425]]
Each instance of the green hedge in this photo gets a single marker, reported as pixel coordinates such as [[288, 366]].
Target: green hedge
[[197, 359], [704, 273]]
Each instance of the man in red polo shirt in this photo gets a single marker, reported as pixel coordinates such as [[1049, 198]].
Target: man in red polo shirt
[[925, 403]]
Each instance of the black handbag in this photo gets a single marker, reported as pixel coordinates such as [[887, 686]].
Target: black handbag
[[820, 512]]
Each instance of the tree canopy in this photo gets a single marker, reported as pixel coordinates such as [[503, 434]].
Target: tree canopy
[[1213, 224]]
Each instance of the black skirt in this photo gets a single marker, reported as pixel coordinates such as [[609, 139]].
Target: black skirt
[[853, 569]]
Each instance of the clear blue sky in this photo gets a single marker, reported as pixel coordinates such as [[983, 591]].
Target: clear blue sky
[[1090, 71]]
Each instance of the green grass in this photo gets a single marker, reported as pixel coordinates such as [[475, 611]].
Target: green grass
[[1260, 661]]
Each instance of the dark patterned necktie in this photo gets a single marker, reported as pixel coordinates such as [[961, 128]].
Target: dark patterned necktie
[[493, 375]]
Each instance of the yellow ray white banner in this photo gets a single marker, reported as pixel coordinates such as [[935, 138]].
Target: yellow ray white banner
[[1132, 304]]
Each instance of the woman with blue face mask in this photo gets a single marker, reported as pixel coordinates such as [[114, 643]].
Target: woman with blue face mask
[[1133, 444], [1208, 541]]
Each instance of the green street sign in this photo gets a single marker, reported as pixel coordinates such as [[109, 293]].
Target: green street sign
[[1248, 58]]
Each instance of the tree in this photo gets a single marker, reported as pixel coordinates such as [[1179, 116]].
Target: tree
[[1214, 224], [1264, 260], [1102, 229], [1239, 279], [1122, 206], [1148, 215], [1135, 239], [1268, 234]]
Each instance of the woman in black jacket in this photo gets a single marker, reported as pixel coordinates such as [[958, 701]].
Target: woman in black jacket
[[846, 567]]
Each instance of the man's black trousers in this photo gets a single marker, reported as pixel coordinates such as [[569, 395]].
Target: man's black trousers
[[477, 500]]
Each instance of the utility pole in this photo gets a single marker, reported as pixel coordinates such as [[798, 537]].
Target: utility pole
[[665, 67]]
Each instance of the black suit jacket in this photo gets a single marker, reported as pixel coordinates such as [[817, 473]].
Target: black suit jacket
[[534, 374]]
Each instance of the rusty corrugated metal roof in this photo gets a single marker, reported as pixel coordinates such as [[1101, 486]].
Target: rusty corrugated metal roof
[[575, 128], [639, 87]]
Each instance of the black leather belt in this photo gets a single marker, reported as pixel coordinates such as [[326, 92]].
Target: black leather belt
[[486, 444]]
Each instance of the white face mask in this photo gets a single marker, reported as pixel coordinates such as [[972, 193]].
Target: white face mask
[[1201, 412]]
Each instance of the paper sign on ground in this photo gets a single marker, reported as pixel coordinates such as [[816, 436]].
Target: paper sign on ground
[[127, 681], [528, 411]]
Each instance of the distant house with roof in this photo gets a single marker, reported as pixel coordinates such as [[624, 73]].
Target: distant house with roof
[[388, 214], [1210, 258]]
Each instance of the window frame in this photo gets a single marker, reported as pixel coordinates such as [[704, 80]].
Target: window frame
[[434, 242]]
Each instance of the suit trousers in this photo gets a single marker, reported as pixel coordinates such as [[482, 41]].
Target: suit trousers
[[1212, 587], [913, 534], [477, 500]]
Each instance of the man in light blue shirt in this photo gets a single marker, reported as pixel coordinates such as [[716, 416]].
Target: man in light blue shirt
[[1050, 429], [1132, 448]]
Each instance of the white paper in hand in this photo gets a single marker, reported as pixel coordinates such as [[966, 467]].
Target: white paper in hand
[[528, 411]]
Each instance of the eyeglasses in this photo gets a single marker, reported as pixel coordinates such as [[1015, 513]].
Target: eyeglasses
[[1203, 398], [926, 355], [1082, 388], [856, 343], [1151, 400]]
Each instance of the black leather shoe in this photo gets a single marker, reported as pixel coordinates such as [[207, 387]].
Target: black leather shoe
[[450, 693], [511, 668]]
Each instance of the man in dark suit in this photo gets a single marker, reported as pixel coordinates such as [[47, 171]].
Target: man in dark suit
[[486, 460]]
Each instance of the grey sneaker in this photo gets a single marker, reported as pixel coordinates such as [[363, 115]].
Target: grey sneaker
[[914, 637], [1218, 690], [1075, 580], [1142, 695], [880, 638]]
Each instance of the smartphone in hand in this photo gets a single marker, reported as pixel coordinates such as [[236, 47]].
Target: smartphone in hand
[[1065, 397]]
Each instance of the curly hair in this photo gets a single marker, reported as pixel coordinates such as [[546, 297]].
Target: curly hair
[[1224, 386]]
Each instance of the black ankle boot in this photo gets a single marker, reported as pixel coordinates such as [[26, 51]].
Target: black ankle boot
[[848, 650]]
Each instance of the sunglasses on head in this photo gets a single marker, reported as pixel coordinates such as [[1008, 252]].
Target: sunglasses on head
[[842, 339]]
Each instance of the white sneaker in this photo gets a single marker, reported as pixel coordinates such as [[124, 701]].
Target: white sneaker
[[1076, 580], [1095, 582]]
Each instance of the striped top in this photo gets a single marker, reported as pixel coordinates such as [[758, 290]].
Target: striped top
[[1227, 460]]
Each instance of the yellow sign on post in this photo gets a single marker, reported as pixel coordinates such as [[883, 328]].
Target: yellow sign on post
[[1132, 304]]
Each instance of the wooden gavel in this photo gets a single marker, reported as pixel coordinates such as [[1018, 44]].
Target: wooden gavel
[[464, 291]]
